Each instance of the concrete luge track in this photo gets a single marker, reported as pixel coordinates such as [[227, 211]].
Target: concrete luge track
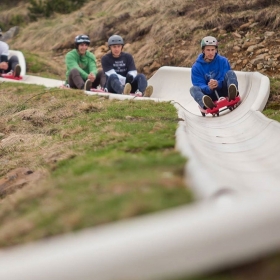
[[239, 150], [234, 171]]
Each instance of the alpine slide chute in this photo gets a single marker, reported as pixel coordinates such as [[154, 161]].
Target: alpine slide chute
[[233, 168]]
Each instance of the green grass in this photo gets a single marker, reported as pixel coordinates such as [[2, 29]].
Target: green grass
[[37, 65], [101, 14], [102, 161], [35, 62], [272, 109], [272, 114]]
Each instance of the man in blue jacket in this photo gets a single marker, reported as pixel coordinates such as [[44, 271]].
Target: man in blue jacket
[[212, 72]]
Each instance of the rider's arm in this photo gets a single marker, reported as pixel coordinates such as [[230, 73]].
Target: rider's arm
[[131, 68], [4, 51], [199, 80], [92, 63], [226, 67]]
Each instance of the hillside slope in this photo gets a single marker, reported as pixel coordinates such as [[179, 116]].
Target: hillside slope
[[162, 32]]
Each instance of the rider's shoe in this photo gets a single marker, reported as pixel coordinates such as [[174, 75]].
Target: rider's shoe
[[127, 89], [149, 91], [17, 71], [87, 85], [232, 92], [138, 93], [208, 102]]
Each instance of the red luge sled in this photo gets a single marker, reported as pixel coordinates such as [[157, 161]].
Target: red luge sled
[[221, 105], [11, 76], [98, 90]]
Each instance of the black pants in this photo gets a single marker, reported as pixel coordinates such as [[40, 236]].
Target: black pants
[[75, 79], [12, 62]]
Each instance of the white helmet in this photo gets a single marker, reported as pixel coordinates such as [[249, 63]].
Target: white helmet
[[81, 39], [209, 41]]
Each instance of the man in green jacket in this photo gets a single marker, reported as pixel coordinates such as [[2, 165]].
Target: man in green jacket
[[81, 67]]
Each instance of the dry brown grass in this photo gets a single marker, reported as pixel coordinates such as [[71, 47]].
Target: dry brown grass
[[19, 9], [147, 27], [28, 130], [160, 32], [269, 18]]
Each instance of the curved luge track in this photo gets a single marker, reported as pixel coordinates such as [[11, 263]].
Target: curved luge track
[[233, 168]]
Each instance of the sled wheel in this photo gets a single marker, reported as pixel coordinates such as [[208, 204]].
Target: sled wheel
[[218, 114], [203, 114], [231, 108]]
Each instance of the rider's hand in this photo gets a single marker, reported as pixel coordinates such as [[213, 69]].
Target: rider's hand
[[91, 77], [213, 84], [4, 65]]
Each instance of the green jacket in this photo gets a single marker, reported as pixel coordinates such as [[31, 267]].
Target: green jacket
[[84, 63]]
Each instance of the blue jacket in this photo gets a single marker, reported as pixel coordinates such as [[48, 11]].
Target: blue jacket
[[203, 71]]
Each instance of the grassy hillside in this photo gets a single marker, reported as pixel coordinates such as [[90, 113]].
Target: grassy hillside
[[70, 161]]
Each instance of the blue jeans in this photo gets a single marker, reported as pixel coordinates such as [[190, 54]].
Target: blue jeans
[[139, 82], [197, 93], [113, 84]]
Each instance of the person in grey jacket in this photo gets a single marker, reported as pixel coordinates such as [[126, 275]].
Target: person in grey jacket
[[8, 65]]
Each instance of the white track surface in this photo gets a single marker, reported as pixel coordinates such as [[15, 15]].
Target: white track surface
[[233, 168]]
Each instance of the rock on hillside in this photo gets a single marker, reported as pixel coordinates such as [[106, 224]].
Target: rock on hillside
[[256, 53]]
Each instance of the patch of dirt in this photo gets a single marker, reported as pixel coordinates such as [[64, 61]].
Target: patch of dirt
[[14, 141], [17, 179]]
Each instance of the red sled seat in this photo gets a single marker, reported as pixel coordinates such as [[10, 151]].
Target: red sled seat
[[221, 105], [11, 76]]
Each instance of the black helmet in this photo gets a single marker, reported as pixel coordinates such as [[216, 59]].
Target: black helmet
[[81, 39], [115, 40]]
